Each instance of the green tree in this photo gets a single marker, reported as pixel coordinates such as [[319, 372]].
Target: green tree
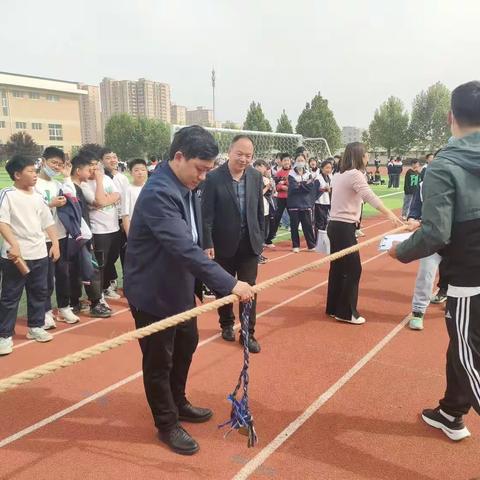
[[389, 128], [230, 125], [132, 137], [428, 127], [154, 136], [23, 144], [366, 139], [256, 119], [122, 134], [317, 120], [283, 124]]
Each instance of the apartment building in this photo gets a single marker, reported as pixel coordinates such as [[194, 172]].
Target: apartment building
[[47, 109], [200, 116], [90, 115], [178, 114], [144, 98]]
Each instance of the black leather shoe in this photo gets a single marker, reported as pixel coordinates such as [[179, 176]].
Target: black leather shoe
[[253, 345], [228, 334], [179, 441], [189, 413]]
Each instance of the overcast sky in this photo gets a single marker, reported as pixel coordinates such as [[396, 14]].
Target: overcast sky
[[277, 52]]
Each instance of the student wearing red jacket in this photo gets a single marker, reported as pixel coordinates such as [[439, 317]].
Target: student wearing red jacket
[[281, 181]]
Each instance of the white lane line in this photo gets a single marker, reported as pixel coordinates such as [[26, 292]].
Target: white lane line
[[390, 194], [283, 436], [56, 416], [78, 325]]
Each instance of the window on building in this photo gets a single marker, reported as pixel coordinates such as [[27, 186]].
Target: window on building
[[53, 98], [4, 105], [2, 123], [17, 94], [21, 125], [36, 126], [34, 95], [55, 131]]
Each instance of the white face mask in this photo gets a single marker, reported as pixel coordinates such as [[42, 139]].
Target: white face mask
[[300, 165], [49, 172]]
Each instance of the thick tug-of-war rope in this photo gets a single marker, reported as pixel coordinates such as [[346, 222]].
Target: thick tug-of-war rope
[[241, 418], [50, 367]]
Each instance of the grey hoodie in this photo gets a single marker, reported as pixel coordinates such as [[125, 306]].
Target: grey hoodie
[[451, 213]]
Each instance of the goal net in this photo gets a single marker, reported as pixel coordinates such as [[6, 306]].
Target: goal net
[[267, 144]]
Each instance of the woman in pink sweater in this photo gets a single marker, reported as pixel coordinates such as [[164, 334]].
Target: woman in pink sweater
[[349, 190]]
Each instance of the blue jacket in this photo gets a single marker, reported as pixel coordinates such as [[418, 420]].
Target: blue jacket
[[301, 195], [162, 262]]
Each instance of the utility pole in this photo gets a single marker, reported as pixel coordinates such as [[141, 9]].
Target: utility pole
[[213, 94]]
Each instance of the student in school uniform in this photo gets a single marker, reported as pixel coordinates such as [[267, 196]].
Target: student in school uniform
[[104, 221], [262, 167], [83, 165], [53, 164], [322, 203], [110, 166], [24, 217], [299, 203], [139, 172]]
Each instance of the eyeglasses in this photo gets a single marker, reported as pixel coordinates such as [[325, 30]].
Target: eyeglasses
[[55, 164]]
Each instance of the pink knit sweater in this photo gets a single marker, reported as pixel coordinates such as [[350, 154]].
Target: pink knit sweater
[[349, 190]]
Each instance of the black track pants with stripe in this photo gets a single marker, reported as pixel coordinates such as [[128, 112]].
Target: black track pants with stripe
[[463, 356]]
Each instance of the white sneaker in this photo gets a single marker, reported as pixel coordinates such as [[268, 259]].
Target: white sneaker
[[67, 316], [49, 321], [111, 293], [359, 233], [6, 345], [39, 334], [353, 320], [295, 250], [270, 245], [104, 302]]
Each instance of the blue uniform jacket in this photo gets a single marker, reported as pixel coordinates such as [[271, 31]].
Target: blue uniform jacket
[[162, 261]]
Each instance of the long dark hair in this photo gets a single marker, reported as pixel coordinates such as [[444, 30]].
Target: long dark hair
[[353, 157]]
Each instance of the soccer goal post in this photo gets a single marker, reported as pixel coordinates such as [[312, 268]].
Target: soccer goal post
[[267, 144]]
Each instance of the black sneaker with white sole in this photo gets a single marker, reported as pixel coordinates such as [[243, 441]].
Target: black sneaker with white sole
[[454, 429]]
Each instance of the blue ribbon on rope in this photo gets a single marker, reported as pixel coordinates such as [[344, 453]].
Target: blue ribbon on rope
[[241, 418]]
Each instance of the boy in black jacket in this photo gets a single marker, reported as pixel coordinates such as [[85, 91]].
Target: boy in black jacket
[[410, 186]]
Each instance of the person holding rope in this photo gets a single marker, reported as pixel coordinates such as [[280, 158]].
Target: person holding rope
[[350, 190], [451, 223], [164, 260]]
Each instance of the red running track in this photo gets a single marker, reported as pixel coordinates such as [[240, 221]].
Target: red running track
[[340, 419]]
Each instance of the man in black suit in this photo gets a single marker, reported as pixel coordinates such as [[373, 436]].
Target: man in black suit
[[232, 206], [164, 259]]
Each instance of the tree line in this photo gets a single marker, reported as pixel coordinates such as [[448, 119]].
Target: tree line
[[392, 128]]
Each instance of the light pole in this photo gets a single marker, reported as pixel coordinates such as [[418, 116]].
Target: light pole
[[213, 94]]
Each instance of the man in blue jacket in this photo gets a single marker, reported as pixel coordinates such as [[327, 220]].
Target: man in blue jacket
[[164, 259]]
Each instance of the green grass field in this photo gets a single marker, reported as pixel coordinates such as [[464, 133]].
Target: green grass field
[[393, 201]]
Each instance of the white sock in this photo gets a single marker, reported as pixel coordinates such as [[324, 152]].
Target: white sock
[[447, 416]]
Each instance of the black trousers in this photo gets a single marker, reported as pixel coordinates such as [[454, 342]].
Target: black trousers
[[13, 283], [463, 356], [322, 213], [442, 277], [167, 356], [58, 277], [106, 248], [281, 206], [345, 273], [93, 291], [305, 218], [243, 265], [391, 180]]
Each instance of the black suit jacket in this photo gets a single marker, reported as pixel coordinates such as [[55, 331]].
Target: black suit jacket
[[162, 261], [221, 211]]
